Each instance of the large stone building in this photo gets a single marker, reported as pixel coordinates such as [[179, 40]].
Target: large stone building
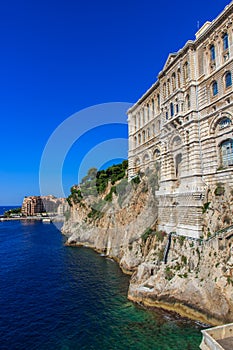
[[183, 124]]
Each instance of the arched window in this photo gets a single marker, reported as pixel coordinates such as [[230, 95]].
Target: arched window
[[212, 52], [146, 158], [225, 41], [224, 122], [158, 102], [228, 80], [226, 153], [215, 88], [153, 105], [168, 87], [178, 78], [164, 90], [186, 70], [135, 141], [171, 109], [143, 136], [173, 81], [188, 104], [153, 129], [176, 141], [156, 154], [139, 139], [148, 111], [148, 133]]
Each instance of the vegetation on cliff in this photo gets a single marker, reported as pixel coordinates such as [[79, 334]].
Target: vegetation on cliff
[[96, 183]]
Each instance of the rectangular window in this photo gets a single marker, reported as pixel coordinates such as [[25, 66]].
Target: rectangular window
[[171, 109], [227, 153], [225, 41], [215, 88], [228, 80], [212, 53]]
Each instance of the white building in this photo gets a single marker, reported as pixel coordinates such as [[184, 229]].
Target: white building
[[183, 123]]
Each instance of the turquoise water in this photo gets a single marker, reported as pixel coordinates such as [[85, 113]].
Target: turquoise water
[[57, 297]]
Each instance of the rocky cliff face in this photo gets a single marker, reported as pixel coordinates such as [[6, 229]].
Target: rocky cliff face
[[111, 226], [197, 279]]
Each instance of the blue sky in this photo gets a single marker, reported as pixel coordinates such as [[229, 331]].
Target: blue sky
[[59, 57]]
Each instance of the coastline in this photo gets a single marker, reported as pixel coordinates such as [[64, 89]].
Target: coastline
[[32, 218], [181, 309], [20, 218]]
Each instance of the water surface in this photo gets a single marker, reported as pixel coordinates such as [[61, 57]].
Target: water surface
[[57, 297]]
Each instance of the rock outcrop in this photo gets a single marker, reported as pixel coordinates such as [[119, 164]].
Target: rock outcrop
[[197, 279]]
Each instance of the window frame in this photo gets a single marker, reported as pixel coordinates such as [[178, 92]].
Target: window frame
[[171, 109], [228, 83], [215, 88], [212, 53], [225, 40], [224, 122], [226, 153]]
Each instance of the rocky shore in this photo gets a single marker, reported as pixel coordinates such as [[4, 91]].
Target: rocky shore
[[197, 278]]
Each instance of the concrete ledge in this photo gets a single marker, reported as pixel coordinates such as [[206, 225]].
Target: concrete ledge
[[218, 338]]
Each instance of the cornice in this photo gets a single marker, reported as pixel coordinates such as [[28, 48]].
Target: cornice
[[190, 44], [215, 24]]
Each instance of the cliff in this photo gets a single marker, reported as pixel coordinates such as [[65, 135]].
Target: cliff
[[197, 278]]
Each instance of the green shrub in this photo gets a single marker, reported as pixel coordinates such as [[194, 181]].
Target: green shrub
[[97, 210], [184, 259], [108, 197], [15, 211], [168, 273], [136, 180], [219, 190], [96, 182], [160, 235], [94, 214], [161, 255], [75, 197], [146, 234], [181, 240], [227, 220], [205, 207]]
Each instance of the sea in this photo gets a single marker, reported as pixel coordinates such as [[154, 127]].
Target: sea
[[56, 297]]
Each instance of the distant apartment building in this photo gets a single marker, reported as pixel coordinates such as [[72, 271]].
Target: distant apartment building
[[34, 205], [184, 125]]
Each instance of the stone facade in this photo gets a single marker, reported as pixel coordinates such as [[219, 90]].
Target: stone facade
[[183, 126]]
